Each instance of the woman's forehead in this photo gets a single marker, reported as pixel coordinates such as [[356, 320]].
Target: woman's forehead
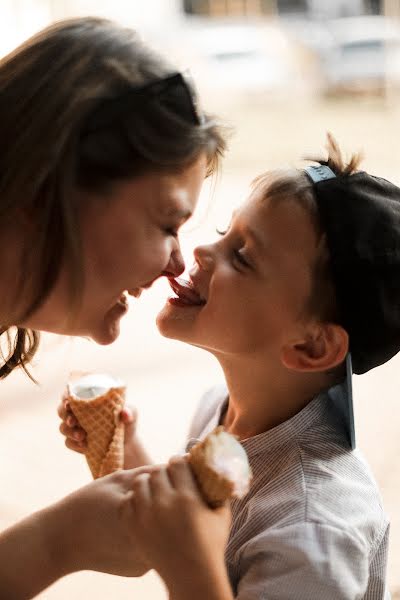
[[178, 192]]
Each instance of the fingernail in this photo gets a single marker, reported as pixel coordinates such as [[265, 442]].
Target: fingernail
[[71, 421], [77, 435]]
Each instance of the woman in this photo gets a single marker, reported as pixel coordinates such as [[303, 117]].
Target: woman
[[103, 153]]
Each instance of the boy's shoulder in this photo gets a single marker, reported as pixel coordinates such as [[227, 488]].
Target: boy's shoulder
[[304, 471], [312, 524], [307, 478], [313, 478]]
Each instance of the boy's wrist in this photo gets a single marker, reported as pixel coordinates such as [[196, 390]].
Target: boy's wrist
[[135, 454]]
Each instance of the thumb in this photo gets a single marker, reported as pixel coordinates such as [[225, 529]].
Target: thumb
[[129, 417], [224, 512]]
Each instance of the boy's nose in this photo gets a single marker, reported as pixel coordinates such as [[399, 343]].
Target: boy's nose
[[204, 257], [176, 264]]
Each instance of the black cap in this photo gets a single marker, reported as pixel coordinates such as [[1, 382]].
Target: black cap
[[360, 215]]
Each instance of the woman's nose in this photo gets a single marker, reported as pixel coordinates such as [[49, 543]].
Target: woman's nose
[[204, 257], [176, 264]]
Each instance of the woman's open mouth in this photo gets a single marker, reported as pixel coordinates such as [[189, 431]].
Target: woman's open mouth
[[186, 295]]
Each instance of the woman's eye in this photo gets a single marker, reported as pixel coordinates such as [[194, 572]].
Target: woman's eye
[[171, 231]]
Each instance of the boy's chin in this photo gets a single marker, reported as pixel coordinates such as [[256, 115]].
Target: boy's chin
[[168, 331], [173, 327]]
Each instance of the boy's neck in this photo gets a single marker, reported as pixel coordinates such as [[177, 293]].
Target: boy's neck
[[261, 396]]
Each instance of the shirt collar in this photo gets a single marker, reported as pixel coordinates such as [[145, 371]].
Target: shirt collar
[[320, 408]]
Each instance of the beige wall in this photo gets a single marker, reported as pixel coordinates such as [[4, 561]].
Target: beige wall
[[148, 14], [21, 18]]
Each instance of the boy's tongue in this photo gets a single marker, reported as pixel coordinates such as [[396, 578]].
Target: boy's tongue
[[185, 291]]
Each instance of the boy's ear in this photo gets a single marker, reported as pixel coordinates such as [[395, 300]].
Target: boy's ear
[[324, 347]]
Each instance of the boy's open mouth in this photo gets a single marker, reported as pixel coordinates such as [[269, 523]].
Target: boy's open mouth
[[185, 292]]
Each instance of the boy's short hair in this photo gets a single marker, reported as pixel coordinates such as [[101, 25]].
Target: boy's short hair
[[357, 272], [292, 184], [356, 275]]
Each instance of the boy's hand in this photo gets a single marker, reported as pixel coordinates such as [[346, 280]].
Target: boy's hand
[[75, 436], [178, 534], [135, 454]]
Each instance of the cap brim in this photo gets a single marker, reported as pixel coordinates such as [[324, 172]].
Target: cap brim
[[342, 397]]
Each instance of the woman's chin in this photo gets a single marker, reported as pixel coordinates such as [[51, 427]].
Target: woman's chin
[[106, 333], [103, 338]]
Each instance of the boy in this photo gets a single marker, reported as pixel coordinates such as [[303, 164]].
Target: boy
[[301, 289]]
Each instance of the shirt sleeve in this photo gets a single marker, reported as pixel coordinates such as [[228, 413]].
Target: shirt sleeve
[[306, 561]]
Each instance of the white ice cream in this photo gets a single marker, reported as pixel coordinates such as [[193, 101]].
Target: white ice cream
[[93, 385], [225, 454]]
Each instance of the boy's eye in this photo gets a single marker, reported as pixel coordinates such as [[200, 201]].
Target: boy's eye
[[240, 258], [221, 232]]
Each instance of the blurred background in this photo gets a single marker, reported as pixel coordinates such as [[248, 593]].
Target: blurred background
[[281, 73]]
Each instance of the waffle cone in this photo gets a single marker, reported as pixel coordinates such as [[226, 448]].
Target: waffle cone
[[215, 488], [99, 417]]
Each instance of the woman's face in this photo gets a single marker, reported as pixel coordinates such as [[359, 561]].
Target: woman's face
[[129, 240]]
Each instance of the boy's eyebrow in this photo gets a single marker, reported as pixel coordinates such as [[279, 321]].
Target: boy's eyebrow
[[180, 213], [256, 237]]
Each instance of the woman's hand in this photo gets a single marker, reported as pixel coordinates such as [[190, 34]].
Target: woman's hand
[[93, 528], [178, 534], [100, 527], [123, 524]]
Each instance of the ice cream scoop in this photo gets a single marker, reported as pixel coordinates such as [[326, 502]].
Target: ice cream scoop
[[221, 467], [96, 400]]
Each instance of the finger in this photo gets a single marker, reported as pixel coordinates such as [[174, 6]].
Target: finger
[[128, 415], [76, 446], [126, 477], [141, 489], [74, 433], [129, 419], [62, 410], [71, 420], [160, 483], [145, 469], [181, 475], [224, 512]]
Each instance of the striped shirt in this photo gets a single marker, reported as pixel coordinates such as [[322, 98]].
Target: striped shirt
[[312, 525]]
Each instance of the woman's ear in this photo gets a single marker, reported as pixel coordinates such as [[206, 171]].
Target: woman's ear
[[324, 347]]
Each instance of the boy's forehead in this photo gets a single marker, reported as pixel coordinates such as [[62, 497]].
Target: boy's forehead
[[279, 222], [263, 209]]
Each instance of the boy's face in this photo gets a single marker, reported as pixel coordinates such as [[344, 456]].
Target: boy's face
[[255, 279]]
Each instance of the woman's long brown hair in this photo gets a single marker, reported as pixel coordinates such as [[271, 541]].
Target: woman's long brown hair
[[49, 89]]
